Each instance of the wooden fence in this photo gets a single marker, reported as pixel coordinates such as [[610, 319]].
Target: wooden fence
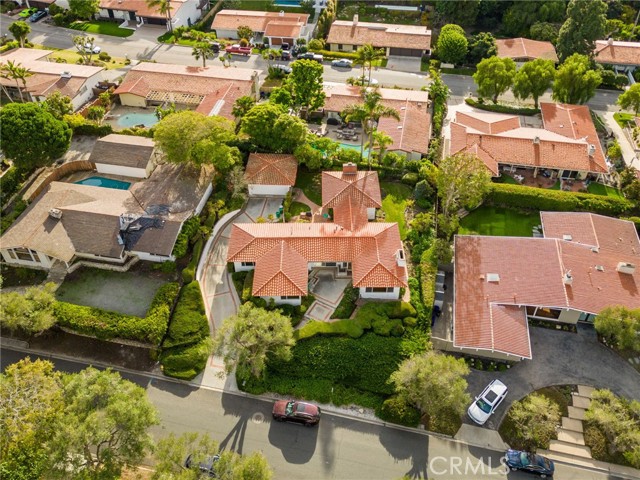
[[56, 174]]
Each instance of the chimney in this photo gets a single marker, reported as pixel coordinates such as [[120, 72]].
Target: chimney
[[610, 41], [355, 20], [567, 279], [536, 140], [65, 74], [591, 150], [55, 213], [281, 14], [624, 267], [349, 169], [400, 258]]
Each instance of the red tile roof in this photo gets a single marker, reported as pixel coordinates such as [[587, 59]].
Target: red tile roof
[[339, 95], [271, 169], [411, 133], [140, 7], [213, 89], [256, 21], [281, 272], [531, 272], [380, 35], [617, 53], [525, 48], [563, 143], [361, 186], [283, 29]]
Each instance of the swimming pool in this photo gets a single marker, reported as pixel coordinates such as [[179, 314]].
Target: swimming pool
[[287, 3], [132, 119], [105, 183]]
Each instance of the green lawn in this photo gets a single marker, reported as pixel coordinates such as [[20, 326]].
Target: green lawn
[[509, 179], [556, 186], [623, 118], [103, 28], [310, 184], [394, 204], [500, 222], [600, 189], [297, 208]]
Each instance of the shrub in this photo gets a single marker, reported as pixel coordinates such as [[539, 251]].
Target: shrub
[[107, 325], [92, 129], [409, 321], [519, 196], [350, 328], [186, 362], [104, 56], [10, 183], [187, 233], [189, 323], [502, 108], [347, 304], [7, 220], [189, 272], [247, 287], [396, 410], [410, 178]]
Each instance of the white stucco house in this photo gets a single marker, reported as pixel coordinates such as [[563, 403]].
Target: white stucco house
[[135, 13], [270, 174], [274, 28], [285, 255]]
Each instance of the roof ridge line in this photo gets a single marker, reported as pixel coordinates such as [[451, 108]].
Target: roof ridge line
[[559, 252]]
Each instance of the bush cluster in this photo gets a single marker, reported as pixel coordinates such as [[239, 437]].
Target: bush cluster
[[501, 108], [186, 348], [7, 220], [189, 272], [187, 233], [347, 303], [92, 129], [107, 325], [396, 410], [531, 198], [10, 183]]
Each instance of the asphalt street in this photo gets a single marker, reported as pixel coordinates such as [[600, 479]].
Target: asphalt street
[[142, 45], [339, 448]]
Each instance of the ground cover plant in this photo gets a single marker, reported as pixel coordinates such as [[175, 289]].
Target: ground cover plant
[[499, 221], [102, 28], [309, 183], [394, 204], [600, 189]]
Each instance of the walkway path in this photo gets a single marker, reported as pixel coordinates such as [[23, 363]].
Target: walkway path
[[628, 153], [316, 210]]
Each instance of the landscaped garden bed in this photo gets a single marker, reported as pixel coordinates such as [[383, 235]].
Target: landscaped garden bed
[[395, 203], [565, 327], [101, 27], [21, 276], [499, 221]]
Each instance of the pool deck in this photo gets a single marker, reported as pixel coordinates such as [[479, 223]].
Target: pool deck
[[120, 111]]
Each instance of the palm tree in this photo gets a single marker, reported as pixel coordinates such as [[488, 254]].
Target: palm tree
[[4, 73], [202, 50], [164, 8], [369, 112], [17, 72], [380, 142], [366, 55]]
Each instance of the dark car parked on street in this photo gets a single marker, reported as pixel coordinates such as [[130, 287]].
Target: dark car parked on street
[[207, 465], [37, 16], [530, 463], [298, 412]]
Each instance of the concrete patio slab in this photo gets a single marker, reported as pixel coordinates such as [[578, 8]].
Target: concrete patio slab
[[481, 437], [572, 424], [319, 311], [580, 401], [254, 209], [585, 390], [576, 413], [330, 290], [569, 448]]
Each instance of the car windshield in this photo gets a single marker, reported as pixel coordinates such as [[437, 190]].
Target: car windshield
[[484, 406], [525, 459], [289, 408]]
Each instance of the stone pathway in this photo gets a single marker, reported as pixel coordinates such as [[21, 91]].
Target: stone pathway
[[570, 435], [316, 210]]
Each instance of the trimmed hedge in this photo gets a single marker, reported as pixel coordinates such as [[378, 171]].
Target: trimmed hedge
[[187, 232], [331, 54], [93, 130], [186, 362], [490, 107], [189, 272], [396, 410], [347, 303], [531, 198], [10, 183], [107, 325]]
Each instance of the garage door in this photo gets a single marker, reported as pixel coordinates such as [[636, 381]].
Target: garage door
[[155, 21], [276, 41], [406, 52]]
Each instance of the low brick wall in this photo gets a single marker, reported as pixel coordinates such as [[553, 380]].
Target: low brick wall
[[51, 175]]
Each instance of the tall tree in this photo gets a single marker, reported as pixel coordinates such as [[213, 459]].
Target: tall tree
[[190, 137], [482, 45], [494, 77], [630, 100], [544, 31], [242, 105], [84, 9], [369, 112], [30, 403], [31, 136], [520, 16], [29, 313], [533, 79], [272, 129], [244, 32], [366, 55], [84, 46], [586, 22], [20, 30], [536, 419], [620, 326], [19, 74], [202, 50], [164, 8], [462, 181], [305, 82], [462, 12], [575, 81], [435, 384], [247, 339], [452, 44], [103, 426], [380, 141], [58, 105]]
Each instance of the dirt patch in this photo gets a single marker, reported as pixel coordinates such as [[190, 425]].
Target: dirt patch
[[80, 149]]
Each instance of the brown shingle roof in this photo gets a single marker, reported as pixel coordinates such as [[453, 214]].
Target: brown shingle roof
[[256, 21], [123, 150], [617, 53], [525, 48], [531, 272], [271, 169], [380, 35]]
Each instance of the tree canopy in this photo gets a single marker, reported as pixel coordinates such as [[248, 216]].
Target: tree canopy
[[535, 418], [31, 136], [29, 313], [242, 105], [190, 137], [58, 105], [452, 44], [84, 9], [482, 45], [533, 79], [494, 77], [462, 12], [520, 16], [435, 384], [305, 83], [630, 100], [254, 334], [20, 29], [620, 326], [575, 81], [586, 22], [272, 129]]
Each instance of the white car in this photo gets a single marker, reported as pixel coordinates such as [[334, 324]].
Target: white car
[[286, 69], [486, 403], [342, 63], [91, 48]]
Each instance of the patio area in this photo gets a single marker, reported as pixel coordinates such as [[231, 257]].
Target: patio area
[[328, 291]]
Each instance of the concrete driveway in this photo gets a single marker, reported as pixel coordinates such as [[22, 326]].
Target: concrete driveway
[[404, 64], [560, 358]]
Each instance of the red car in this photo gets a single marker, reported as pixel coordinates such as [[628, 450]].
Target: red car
[[238, 50], [298, 412]]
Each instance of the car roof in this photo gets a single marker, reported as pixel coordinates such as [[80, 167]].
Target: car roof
[[497, 387]]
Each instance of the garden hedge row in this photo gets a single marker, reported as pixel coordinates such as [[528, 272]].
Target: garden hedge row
[[501, 108], [396, 410], [107, 325], [531, 198], [10, 183], [189, 272], [187, 232]]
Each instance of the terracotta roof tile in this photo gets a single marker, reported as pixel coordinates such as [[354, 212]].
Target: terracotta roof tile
[[618, 53], [283, 29], [140, 7], [380, 35], [411, 133], [362, 186], [257, 21], [281, 272], [350, 214], [525, 48], [487, 122], [271, 169]]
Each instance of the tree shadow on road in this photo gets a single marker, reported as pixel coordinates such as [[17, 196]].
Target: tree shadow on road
[[394, 440], [245, 410]]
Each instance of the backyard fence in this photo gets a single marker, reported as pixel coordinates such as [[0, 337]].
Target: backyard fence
[[58, 173]]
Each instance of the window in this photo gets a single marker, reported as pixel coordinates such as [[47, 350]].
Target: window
[[11, 254], [26, 255], [379, 289], [248, 264], [340, 47], [289, 297], [550, 313]]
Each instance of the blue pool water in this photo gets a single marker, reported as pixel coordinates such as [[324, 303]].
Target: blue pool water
[[287, 3], [133, 119], [105, 182]]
